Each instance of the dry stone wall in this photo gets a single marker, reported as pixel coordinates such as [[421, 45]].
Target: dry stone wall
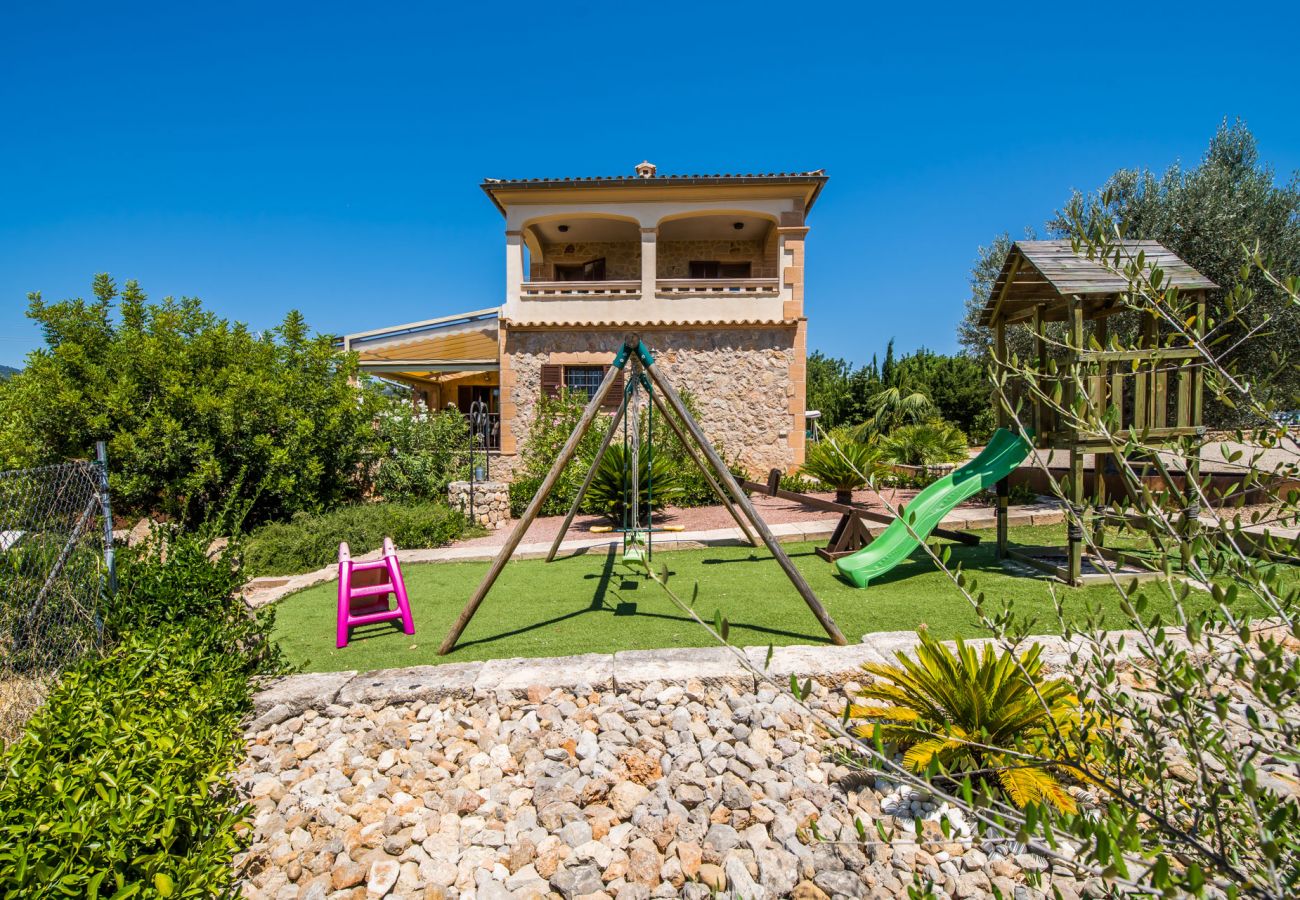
[[739, 379], [491, 501]]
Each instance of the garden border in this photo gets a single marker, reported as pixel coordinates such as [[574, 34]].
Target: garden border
[[621, 671]]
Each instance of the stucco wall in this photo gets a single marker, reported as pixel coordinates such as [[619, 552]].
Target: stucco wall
[[740, 380]]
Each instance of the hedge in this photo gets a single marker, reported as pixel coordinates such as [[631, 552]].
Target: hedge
[[308, 542]]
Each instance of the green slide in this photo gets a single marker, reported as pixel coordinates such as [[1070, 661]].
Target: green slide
[[1004, 452]]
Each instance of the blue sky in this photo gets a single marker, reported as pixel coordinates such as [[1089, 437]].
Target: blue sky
[[324, 156]]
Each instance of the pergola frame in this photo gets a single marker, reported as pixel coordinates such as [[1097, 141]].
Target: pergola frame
[[1050, 281]]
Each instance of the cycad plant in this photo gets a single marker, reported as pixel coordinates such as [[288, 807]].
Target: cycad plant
[[924, 444], [979, 714], [843, 464], [611, 488]]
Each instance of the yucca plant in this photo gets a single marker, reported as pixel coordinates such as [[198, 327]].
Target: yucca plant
[[924, 444], [947, 709], [612, 487], [842, 464]]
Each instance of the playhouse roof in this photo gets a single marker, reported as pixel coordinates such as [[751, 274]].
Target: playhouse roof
[[1046, 273]]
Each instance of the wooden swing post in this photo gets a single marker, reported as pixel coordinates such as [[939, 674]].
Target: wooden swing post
[[586, 482], [633, 343], [535, 505], [704, 469]]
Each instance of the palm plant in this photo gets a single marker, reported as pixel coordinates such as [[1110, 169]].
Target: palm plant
[[611, 489], [896, 406], [843, 464], [924, 444], [982, 715]]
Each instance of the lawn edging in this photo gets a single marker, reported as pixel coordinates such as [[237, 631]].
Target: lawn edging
[[623, 671], [268, 589]]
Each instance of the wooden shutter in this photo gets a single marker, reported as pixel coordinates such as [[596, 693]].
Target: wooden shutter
[[552, 378], [615, 395]]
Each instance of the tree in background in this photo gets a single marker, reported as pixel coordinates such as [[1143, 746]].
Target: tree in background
[[908, 389], [199, 413], [1205, 215]]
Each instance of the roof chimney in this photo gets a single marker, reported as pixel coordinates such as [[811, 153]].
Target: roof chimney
[[646, 169]]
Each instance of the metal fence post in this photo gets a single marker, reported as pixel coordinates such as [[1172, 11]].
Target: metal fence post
[[106, 505]]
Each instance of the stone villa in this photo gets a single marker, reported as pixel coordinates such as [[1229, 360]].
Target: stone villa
[[709, 269]]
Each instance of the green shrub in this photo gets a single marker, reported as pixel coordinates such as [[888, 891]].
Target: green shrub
[[557, 417], [841, 463], [122, 784], [420, 453], [801, 485], [925, 444], [123, 779], [522, 489], [308, 542], [195, 408], [611, 489], [974, 713]]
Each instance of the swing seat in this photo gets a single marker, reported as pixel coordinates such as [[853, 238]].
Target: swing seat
[[364, 589], [633, 554]]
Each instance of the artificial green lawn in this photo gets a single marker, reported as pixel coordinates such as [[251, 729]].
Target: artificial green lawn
[[593, 602]]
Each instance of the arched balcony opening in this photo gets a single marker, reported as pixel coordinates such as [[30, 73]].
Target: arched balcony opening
[[718, 253], [582, 256]]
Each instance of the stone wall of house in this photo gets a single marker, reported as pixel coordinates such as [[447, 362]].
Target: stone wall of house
[[674, 257], [739, 379], [622, 259]]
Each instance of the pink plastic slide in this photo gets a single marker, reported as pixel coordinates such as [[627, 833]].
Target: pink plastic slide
[[364, 588]]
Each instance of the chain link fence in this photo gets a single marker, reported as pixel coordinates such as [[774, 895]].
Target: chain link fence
[[56, 566]]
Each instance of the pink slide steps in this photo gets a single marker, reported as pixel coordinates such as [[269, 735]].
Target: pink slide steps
[[364, 588]]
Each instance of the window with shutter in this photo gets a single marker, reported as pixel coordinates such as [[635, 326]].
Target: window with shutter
[[551, 380], [583, 379]]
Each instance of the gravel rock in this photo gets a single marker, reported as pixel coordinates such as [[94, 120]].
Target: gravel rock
[[669, 790]]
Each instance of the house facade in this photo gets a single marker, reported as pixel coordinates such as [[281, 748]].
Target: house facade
[[708, 269]]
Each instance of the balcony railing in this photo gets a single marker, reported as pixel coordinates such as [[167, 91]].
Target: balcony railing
[[718, 287], [579, 290]]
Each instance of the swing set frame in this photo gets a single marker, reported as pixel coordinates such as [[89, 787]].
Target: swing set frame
[[647, 377]]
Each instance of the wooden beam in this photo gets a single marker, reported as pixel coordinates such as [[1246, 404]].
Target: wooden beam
[[1000, 364], [1152, 354], [724, 475], [704, 470], [818, 503], [1006, 285], [590, 477], [534, 506], [1198, 385], [1040, 346]]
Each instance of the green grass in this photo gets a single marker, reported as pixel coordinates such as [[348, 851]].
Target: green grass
[[593, 602]]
